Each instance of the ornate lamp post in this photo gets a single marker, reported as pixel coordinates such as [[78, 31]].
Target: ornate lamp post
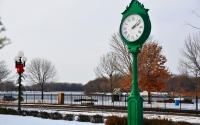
[[134, 30], [19, 65]]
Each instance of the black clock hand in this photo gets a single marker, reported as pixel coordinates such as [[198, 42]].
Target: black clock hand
[[136, 24]]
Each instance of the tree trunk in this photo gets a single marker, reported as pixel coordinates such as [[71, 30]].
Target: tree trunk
[[196, 100], [149, 97], [42, 97]]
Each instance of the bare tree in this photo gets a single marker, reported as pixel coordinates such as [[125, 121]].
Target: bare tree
[[191, 59], [3, 40], [4, 71], [123, 61], [192, 24], [191, 55], [107, 70], [123, 58], [41, 71]]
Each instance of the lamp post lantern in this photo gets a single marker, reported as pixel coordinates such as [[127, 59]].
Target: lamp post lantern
[[134, 30], [19, 65]]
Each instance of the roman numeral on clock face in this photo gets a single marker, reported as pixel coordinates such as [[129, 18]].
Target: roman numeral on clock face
[[125, 32]]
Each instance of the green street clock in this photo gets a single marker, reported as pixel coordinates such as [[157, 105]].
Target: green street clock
[[134, 30], [135, 25]]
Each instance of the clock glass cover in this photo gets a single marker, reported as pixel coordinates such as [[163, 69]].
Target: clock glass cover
[[132, 27]]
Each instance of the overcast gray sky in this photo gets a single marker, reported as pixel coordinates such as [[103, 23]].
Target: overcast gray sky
[[74, 34]]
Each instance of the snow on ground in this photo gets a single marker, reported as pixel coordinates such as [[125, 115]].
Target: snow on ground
[[29, 120]]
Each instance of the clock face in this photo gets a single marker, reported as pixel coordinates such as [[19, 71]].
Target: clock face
[[132, 27]]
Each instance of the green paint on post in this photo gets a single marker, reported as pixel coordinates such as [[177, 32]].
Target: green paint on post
[[135, 17]]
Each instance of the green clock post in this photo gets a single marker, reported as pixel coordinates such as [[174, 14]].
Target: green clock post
[[134, 30]]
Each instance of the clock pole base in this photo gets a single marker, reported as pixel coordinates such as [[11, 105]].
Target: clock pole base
[[135, 110]]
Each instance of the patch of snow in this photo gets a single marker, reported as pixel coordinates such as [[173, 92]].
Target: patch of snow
[[29, 120]]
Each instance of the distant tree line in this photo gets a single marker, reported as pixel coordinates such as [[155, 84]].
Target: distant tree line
[[176, 85], [56, 87], [11, 86], [183, 85], [8, 86], [96, 85]]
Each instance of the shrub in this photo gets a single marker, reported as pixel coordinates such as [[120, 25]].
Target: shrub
[[24, 113], [69, 117], [45, 115], [115, 120], [11, 111], [56, 116], [83, 118], [158, 121], [2, 110], [34, 113], [124, 121], [182, 123], [97, 119]]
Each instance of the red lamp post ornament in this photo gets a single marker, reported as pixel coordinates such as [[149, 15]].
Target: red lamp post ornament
[[19, 65], [20, 68]]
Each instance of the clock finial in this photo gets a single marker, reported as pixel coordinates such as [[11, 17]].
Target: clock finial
[[135, 6], [135, 26]]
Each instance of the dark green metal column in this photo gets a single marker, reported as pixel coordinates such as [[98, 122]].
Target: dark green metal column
[[135, 101]]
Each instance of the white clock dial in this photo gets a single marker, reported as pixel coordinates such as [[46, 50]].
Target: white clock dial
[[132, 27]]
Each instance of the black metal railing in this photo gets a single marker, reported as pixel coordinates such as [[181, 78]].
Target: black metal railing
[[97, 100]]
